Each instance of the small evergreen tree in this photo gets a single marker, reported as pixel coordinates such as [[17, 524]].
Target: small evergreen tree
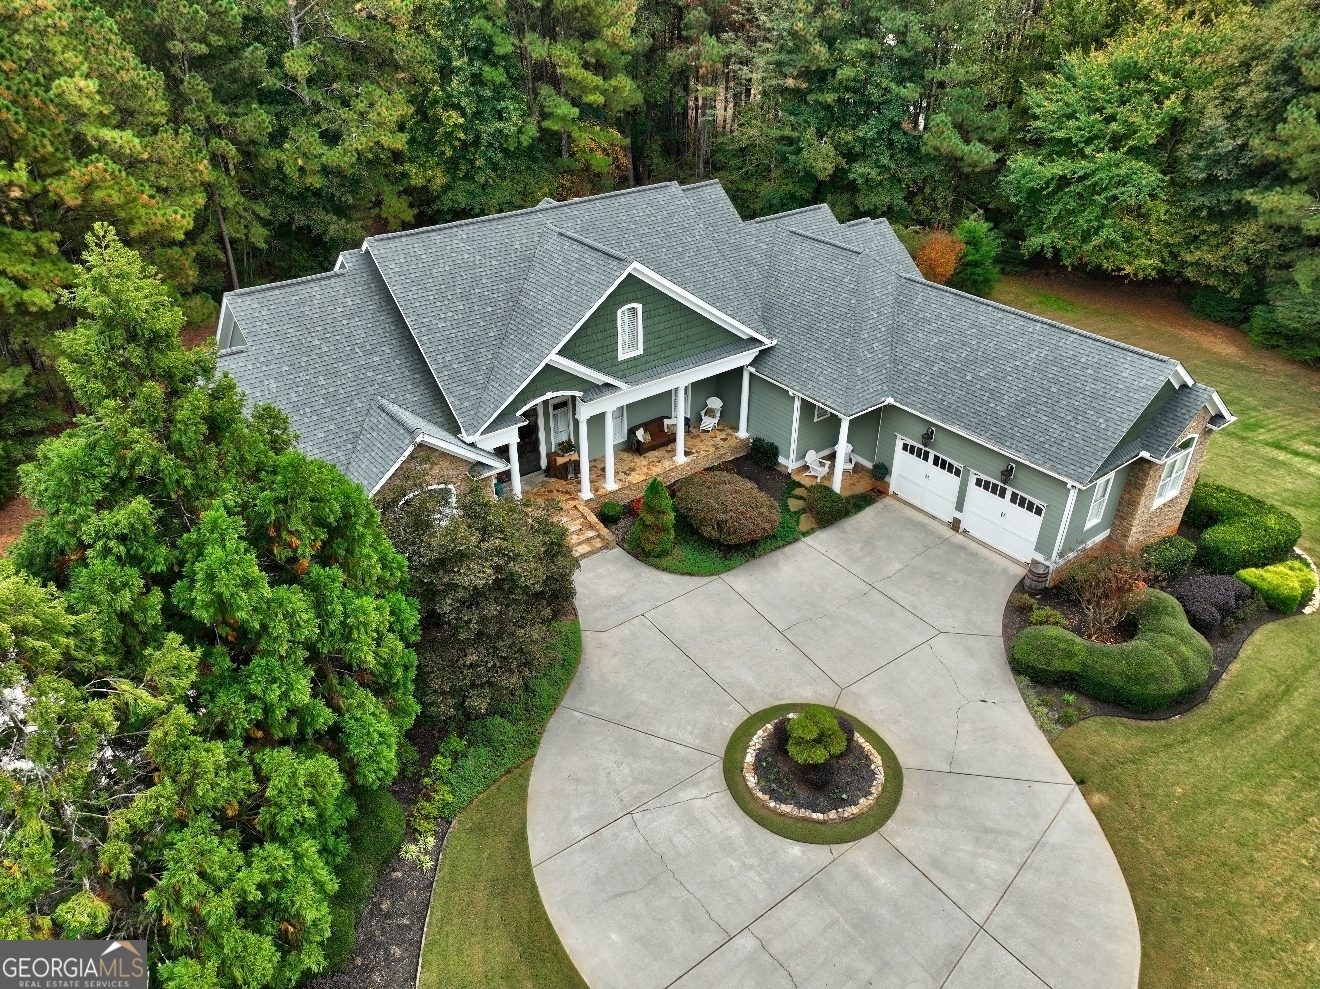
[[814, 736], [653, 534], [977, 270]]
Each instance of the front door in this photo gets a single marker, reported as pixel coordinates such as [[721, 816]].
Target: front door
[[925, 479], [529, 445], [1002, 517], [561, 424]]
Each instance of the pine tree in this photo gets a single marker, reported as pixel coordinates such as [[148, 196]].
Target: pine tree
[[654, 532]]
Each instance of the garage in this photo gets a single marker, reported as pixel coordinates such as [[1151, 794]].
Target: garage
[[925, 479], [1002, 517]]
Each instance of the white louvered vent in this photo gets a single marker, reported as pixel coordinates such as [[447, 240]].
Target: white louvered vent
[[630, 331]]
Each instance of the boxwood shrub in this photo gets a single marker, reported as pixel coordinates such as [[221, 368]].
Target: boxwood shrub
[[1168, 557], [764, 453], [1285, 586], [825, 504], [1167, 661], [611, 512], [726, 508], [1239, 531]]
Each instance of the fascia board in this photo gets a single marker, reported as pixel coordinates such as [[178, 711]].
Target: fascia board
[[549, 395], [488, 441], [669, 382], [582, 371], [1217, 405], [1180, 377]]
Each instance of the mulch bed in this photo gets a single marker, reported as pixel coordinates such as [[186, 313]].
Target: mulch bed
[[781, 778], [1226, 648], [389, 932]]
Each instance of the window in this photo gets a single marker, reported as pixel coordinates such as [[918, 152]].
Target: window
[[446, 501], [1174, 472], [616, 418], [630, 331], [1099, 498], [821, 413]]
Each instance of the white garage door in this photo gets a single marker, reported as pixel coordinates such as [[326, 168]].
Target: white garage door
[[924, 478], [1002, 517]]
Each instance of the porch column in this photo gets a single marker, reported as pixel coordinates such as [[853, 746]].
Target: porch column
[[515, 477], [584, 458], [742, 406], [838, 455], [609, 450], [542, 423], [679, 430]]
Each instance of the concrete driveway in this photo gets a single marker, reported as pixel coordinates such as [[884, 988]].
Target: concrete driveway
[[992, 874]]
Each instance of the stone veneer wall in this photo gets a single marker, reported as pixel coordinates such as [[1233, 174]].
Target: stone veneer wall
[[694, 463], [1135, 524], [425, 466]]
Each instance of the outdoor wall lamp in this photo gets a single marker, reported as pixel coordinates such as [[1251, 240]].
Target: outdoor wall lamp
[[1006, 473], [928, 437]]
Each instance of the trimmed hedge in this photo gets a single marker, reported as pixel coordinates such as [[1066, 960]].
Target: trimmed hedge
[[1167, 661], [764, 453], [1285, 586], [1168, 557], [1239, 531], [825, 504], [726, 508]]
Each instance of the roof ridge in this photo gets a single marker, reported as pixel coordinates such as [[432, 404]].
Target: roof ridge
[[829, 243], [539, 208], [788, 212], [916, 279], [588, 242], [254, 289], [698, 185], [393, 411]]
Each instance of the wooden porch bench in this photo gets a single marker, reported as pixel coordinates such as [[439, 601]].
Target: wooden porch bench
[[659, 438]]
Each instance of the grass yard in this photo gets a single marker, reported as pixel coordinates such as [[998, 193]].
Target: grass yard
[[1215, 820], [1214, 816], [1273, 450], [487, 928]]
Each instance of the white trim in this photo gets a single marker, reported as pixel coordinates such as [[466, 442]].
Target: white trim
[[1095, 513], [462, 452], [1094, 540], [742, 402], [670, 382], [821, 413], [550, 396], [793, 436], [488, 441], [542, 417], [1182, 476], [622, 409], [1065, 521], [582, 371], [618, 329], [1180, 377], [837, 481], [1221, 408]]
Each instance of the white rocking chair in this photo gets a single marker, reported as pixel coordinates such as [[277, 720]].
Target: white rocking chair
[[710, 416], [817, 466], [846, 459]]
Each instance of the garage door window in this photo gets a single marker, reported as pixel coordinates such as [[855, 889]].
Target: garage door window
[[1016, 498], [1174, 471]]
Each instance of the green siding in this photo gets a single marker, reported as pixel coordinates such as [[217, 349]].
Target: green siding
[[727, 387], [812, 435], [1028, 480], [596, 436], [1078, 532], [670, 331], [862, 434], [548, 379], [770, 413]]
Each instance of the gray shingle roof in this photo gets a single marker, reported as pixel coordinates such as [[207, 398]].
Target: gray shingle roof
[[389, 433], [1164, 428]]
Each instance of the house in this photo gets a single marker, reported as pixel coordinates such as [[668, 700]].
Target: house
[[477, 347]]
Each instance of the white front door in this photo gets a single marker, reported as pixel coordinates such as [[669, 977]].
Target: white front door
[[561, 424], [926, 479], [1002, 517]]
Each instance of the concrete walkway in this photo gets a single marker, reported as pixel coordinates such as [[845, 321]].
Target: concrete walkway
[[992, 874]]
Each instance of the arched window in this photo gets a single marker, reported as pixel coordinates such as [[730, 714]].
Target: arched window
[[446, 502], [630, 330]]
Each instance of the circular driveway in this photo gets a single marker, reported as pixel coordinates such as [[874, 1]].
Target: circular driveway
[[993, 874]]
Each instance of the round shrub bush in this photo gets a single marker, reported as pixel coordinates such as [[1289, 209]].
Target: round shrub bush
[[825, 504], [765, 453], [726, 508], [1285, 586], [1239, 531], [814, 736], [1167, 661], [1048, 616], [1168, 557], [611, 512], [1207, 601], [879, 470]]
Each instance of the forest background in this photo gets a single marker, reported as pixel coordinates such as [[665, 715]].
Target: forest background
[[235, 142]]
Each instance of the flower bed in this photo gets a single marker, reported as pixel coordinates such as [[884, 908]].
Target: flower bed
[[777, 782]]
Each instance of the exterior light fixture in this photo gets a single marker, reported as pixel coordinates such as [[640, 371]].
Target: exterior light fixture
[[1007, 473], [928, 437]]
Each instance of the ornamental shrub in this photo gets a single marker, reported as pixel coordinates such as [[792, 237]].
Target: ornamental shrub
[[1239, 531], [765, 453], [1208, 600], [1167, 661], [1168, 557], [814, 736], [653, 535], [1108, 587], [726, 508], [825, 504], [1022, 602], [1048, 616], [611, 512], [1285, 586], [937, 258], [879, 470]]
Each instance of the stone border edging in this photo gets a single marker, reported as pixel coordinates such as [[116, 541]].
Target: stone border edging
[[788, 810]]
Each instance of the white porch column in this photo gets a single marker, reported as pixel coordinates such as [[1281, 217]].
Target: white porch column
[[609, 450], [679, 430], [742, 406], [584, 458], [515, 477], [838, 455], [542, 424]]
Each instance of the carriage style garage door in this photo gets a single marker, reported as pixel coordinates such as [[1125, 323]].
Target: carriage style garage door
[[924, 478], [1001, 517]]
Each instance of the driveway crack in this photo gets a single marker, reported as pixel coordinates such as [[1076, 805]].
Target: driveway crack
[[646, 841], [772, 957], [685, 800]]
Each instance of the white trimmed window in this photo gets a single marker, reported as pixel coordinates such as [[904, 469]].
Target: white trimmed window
[[616, 418], [1175, 470], [821, 413], [1099, 498], [630, 331]]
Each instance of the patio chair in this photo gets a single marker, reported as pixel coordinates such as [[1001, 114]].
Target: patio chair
[[846, 459], [817, 466], [710, 416]]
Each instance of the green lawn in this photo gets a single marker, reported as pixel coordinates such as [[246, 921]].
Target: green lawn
[[487, 927], [1215, 816]]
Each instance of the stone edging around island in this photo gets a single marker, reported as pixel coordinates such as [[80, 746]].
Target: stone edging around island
[[788, 810]]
